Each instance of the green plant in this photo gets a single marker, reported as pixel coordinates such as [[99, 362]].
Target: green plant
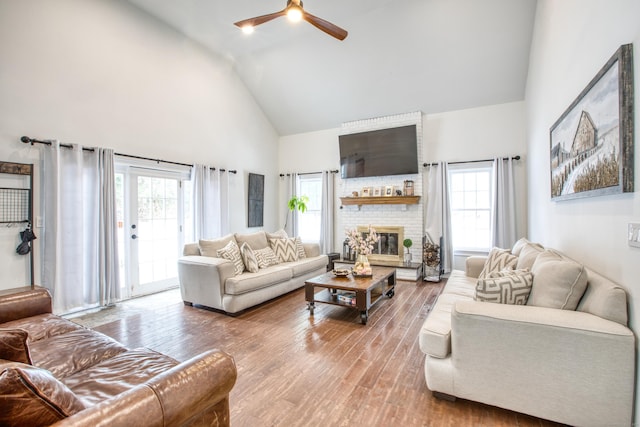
[[299, 203], [407, 243]]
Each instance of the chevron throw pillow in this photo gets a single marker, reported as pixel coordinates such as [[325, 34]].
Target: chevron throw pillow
[[505, 287], [249, 258], [285, 249], [266, 257], [231, 252], [300, 249], [498, 259]]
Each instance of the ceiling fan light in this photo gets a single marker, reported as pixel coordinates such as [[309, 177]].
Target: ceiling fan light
[[248, 29], [294, 13]]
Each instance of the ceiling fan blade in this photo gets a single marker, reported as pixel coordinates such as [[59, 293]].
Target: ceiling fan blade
[[260, 19], [326, 26]]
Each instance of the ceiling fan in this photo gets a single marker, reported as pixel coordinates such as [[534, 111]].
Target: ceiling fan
[[294, 12]]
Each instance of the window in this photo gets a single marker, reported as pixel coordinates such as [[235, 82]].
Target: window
[[470, 190], [309, 222]]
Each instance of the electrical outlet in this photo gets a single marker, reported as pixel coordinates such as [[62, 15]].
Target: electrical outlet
[[634, 234], [38, 222]]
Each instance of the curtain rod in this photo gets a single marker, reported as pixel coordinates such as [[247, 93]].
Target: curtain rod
[[310, 173], [32, 141], [471, 161]]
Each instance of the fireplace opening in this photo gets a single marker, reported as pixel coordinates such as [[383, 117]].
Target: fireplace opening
[[389, 247]]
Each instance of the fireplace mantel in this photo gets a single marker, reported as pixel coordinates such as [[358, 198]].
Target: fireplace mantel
[[383, 200]]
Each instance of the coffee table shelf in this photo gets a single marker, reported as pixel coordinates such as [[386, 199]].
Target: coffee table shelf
[[367, 290]]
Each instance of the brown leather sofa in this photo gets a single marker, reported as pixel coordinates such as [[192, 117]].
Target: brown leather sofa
[[55, 372]]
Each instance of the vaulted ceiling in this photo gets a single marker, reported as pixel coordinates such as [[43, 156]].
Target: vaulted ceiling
[[400, 55]]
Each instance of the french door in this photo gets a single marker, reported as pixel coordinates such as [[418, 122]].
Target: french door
[[150, 218]]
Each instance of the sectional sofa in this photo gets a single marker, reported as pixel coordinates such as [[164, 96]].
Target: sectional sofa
[[212, 277], [562, 350]]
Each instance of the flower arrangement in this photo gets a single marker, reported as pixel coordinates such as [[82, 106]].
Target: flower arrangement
[[362, 245]]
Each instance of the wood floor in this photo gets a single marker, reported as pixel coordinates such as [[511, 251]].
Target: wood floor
[[325, 370]]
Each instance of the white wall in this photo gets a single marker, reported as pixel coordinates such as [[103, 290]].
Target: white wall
[[572, 40], [104, 73], [478, 133]]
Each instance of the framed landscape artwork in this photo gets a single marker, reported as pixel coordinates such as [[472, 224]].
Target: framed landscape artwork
[[592, 142]]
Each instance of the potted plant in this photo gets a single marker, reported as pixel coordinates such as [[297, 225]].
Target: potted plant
[[407, 243], [299, 203]]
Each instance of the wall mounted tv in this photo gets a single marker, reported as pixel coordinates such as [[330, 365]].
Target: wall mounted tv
[[379, 153]]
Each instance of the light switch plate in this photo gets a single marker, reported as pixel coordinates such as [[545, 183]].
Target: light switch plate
[[634, 234]]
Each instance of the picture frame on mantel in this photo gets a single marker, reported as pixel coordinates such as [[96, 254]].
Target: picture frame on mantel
[[592, 142], [388, 190]]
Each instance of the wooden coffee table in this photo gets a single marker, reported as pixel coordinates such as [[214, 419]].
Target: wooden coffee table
[[367, 290]]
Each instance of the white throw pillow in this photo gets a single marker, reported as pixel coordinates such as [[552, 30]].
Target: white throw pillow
[[505, 287], [285, 249], [266, 257], [528, 254], [498, 259], [557, 282], [249, 258], [231, 252]]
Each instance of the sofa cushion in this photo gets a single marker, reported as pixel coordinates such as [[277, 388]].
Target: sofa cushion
[[33, 397], [307, 265], [505, 287], [498, 259], [520, 244], [528, 255], [43, 326], [231, 252], [257, 240], [285, 249], [13, 345], [211, 247], [300, 248], [557, 282], [247, 282], [266, 257], [50, 353], [249, 258], [604, 298], [280, 234], [118, 374]]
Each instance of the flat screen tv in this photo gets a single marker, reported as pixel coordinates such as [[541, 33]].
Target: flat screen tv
[[379, 153]]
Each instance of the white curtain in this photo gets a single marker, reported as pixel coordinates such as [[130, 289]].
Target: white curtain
[[326, 212], [79, 264], [291, 189], [503, 222], [210, 191], [438, 213]]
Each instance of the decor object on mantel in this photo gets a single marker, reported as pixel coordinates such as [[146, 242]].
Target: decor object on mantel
[[407, 243], [362, 244]]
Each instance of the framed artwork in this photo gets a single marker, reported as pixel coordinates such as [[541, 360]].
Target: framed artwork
[[366, 192], [592, 142], [377, 191], [256, 200], [388, 190]]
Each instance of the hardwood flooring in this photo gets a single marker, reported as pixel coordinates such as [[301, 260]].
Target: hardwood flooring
[[325, 370]]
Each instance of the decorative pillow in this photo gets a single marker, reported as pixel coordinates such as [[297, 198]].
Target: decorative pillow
[[557, 282], [232, 253], [505, 287], [300, 249], [285, 249], [498, 259], [266, 257], [517, 246], [528, 254], [211, 247], [32, 396], [249, 258], [13, 345]]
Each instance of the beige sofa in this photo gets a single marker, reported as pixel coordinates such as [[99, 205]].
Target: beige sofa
[[210, 281], [571, 366]]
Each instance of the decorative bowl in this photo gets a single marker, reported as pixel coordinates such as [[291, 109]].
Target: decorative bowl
[[341, 272]]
